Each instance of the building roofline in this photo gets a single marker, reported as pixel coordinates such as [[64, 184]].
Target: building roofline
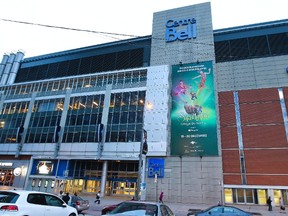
[[251, 26], [88, 48], [223, 31]]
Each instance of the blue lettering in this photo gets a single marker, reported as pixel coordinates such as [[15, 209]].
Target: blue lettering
[[183, 34], [171, 34], [169, 23]]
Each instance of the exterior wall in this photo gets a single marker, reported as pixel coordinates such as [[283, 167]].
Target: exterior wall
[[261, 159], [187, 51], [156, 116], [189, 180], [251, 74], [263, 131]]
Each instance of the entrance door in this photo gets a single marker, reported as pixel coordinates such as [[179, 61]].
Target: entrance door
[[123, 188]]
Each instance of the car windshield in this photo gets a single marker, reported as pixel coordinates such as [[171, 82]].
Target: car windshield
[[8, 197], [139, 209]]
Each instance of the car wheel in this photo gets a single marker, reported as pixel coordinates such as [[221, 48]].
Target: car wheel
[[72, 214]]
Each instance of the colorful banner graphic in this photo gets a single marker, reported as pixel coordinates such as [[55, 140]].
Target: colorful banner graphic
[[193, 114]]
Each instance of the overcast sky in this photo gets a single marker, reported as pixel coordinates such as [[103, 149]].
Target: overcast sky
[[127, 17]]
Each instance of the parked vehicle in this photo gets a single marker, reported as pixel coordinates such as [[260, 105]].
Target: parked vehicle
[[140, 208], [33, 203], [106, 209], [81, 204], [223, 210]]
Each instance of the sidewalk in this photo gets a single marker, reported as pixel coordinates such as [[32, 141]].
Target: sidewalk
[[179, 209]]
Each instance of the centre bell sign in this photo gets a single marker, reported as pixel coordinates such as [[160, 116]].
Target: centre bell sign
[[180, 29]]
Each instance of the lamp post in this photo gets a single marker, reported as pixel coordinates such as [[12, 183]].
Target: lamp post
[[143, 150]]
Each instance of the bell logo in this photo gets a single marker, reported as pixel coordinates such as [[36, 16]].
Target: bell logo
[[188, 30]]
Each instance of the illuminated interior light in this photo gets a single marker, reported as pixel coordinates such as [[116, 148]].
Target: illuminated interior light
[[95, 103], [149, 105], [82, 104], [2, 124]]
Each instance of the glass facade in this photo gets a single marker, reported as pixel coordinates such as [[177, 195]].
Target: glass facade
[[125, 119], [84, 112], [12, 117], [45, 116]]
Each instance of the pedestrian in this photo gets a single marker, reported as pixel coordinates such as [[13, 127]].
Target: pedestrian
[[282, 207], [269, 203], [60, 195], [161, 197], [97, 198], [74, 199], [66, 198]]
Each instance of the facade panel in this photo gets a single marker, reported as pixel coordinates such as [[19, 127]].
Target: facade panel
[[229, 138], [231, 162], [261, 113], [267, 162], [234, 179], [264, 136]]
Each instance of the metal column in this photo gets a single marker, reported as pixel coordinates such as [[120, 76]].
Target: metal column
[[101, 146]]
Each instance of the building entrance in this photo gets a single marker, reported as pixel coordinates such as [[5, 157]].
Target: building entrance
[[126, 188]]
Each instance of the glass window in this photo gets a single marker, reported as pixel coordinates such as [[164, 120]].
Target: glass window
[[53, 201], [38, 199], [277, 195], [228, 195], [240, 196], [249, 196]]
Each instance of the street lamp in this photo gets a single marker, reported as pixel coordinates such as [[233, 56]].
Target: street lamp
[[143, 151]]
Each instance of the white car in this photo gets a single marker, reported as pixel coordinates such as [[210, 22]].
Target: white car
[[139, 208], [33, 203]]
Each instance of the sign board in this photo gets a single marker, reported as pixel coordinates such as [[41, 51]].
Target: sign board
[[156, 167], [193, 114]]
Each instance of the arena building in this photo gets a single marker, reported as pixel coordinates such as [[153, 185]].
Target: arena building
[[210, 105]]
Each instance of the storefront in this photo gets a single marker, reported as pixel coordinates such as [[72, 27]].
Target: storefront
[[82, 176], [254, 195], [13, 172]]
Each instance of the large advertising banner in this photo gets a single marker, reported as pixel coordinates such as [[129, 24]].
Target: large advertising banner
[[193, 114]]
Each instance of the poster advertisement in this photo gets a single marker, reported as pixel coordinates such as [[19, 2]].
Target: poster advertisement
[[193, 114]]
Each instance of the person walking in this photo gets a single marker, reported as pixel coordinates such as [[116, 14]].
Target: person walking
[[60, 195], [66, 198], [97, 198], [161, 197], [269, 203], [282, 207]]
